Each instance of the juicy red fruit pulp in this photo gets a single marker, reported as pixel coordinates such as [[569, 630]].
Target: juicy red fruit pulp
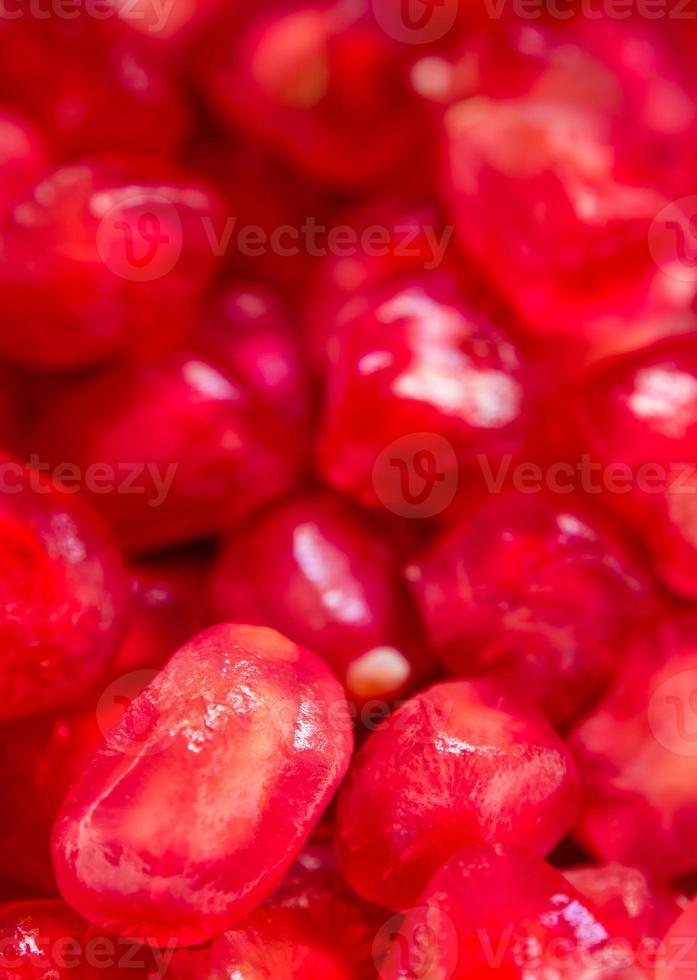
[[315, 316]]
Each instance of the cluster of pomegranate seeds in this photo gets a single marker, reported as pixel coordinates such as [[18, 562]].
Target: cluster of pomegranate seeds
[[348, 490]]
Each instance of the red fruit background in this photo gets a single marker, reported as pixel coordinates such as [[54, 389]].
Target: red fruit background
[[348, 490]]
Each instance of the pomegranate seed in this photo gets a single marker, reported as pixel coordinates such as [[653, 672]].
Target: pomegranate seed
[[478, 771], [41, 757], [193, 443], [319, 84], [46, 940], [62, 593], [640, 414], [636, 755], [500, 911], [632, 905], [311, 927], [315, 569], [413, 359], [535, 588], [104, 257], [544, 166], [202, 796], [89, 89]]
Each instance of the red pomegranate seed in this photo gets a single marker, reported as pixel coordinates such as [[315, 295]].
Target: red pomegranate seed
[[205, 792], [639, 415], [316, 569], [636, 755], [634, 907], [501, 912], [193, 442], [105, 256], [42, 756], [321, 84], [62, 594], [415, 365], [535, 588], [312, 927], [457, 765]]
